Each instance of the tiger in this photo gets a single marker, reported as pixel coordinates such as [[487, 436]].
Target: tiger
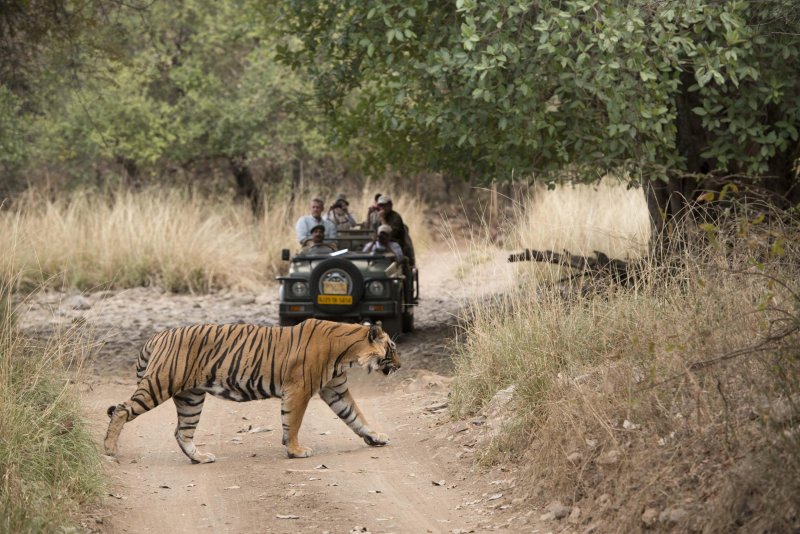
[[242, 362]]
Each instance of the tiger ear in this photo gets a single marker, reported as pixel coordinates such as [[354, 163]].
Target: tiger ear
[[375, 332]]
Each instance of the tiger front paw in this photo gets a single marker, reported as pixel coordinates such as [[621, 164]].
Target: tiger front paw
[[376, 440], [299, 452]]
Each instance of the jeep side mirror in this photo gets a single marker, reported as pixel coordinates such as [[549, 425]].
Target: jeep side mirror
[[285, 254]]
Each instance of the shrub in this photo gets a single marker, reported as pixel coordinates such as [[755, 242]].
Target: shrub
[[680, 392]]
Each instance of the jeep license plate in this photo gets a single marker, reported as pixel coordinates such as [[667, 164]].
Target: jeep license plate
[[334, 299]]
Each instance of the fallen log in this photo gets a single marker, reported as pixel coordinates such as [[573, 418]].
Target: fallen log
[[601, 265]]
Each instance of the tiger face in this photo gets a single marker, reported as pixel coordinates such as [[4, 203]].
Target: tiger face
[[383, 356]]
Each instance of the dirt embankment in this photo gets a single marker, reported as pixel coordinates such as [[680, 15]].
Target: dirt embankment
[[424, 481]]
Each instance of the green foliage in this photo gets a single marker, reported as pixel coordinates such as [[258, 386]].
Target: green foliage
[[178, 84], [501, 88], [12, 146], [494, 89], [45, 46], [226, 95]]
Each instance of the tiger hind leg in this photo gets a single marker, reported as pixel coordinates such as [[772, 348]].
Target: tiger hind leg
[[337, 395], [140, 402], [189, 404]]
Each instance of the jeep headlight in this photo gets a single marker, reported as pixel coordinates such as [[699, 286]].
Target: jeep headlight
[[375, 288], [300, 289]]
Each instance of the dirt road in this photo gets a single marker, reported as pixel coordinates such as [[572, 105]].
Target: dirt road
[[423, 481]]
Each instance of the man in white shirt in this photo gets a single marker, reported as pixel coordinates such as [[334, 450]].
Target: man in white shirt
[[307, 222]]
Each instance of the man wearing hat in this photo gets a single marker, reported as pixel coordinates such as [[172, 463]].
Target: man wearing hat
[[339, 214], [383, 244], [316, 243], [307, 222], [317, 236], [395, 221]]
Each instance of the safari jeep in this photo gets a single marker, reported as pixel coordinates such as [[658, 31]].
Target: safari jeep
[[348, 285]]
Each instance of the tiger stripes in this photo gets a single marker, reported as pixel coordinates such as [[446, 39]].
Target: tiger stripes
[[246, 362]]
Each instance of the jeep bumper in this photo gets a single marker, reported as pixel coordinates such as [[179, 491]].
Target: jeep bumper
[[373, 310]]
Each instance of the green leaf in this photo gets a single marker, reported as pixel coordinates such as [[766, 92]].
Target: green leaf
[[647, 75], [703, 76]]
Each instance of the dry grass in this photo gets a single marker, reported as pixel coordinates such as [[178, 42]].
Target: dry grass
[[175, 240], [172, 239], [49, 464], [612, 411], [583, 218]]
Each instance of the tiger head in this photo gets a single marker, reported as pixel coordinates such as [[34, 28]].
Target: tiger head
[[382, 354]]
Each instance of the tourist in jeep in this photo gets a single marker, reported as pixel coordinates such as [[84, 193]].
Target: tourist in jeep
[[382, 243], [399, 230], [340, 215], [317, 236], [373, 219], [316, 243], [307, 222]]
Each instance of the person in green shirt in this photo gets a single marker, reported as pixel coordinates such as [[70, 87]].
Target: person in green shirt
[[399, 230]]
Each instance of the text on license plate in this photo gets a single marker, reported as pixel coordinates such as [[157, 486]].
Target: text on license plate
[[334, 299]]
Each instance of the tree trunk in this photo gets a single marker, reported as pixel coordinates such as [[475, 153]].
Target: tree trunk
[[246, 187], [784, 172], [132, 179], [667, 200]]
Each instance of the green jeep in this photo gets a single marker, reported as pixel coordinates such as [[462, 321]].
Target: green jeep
[[348, 285]]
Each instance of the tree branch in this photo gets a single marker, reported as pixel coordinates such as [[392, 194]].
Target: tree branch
[[752, 349]]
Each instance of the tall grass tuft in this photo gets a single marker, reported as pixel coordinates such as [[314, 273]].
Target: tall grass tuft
[[49, 463], [177, 240], [673, 402]]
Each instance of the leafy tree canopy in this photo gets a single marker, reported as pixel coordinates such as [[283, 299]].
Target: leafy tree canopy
[[200, 82], [175, 83], [43, 44], [502, 88]]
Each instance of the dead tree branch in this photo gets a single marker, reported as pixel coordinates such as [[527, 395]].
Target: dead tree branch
[[601, 264]]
